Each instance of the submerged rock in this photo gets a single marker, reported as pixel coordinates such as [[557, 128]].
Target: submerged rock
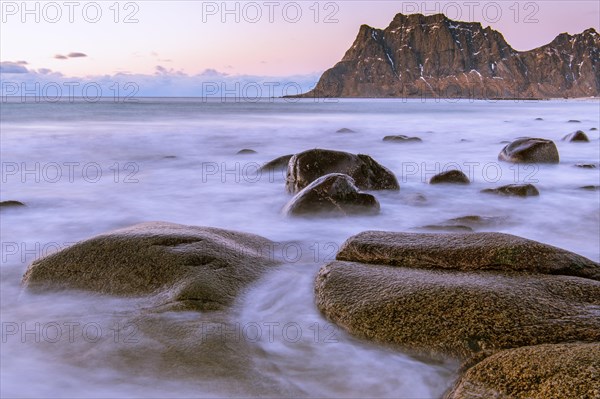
[[246, 151], [530, 150], [307, 166], [577, 137], [333, 195], [11, 203], [451, 177], [460, 294], [454, 228], [514, 190], [467, 223], [534, 372], [345, 130], [402, 139], [590, 188], [573, 121], [416, 199], [178, 266], [586, 165], [280, 163]]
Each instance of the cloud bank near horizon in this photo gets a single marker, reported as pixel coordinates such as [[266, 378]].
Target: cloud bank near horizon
[[43, 84]]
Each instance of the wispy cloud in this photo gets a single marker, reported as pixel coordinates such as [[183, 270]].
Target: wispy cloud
[[70, 55]]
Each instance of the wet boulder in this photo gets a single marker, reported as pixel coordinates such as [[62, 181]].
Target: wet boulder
[[514, 190], [460, 294], [11, 204], [307, 166], [173, 265], [450, 177], [535, 372], [280, 163], [576, 137], [530, 150], [402, 139], [246, 151], [335, 195]]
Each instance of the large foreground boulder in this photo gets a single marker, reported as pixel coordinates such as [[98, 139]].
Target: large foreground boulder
[[530, 150], [475, 251], [308, 166], [460, 294], [534, 372], [182, 266], [332, 195]]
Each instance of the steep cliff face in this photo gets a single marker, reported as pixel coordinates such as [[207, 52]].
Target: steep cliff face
[[433, 56]]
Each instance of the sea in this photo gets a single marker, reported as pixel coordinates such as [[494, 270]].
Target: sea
[[84, 168]]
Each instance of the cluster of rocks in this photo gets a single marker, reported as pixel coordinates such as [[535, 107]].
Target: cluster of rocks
[[327, 182], [509, 307], [522, 315]]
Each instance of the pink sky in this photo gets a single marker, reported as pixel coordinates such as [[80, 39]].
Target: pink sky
[[276, 38]]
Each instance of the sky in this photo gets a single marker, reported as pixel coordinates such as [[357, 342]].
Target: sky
[[161, 43]]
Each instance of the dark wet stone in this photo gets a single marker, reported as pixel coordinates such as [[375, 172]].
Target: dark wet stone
[[517, 190], [345, 130], [539, 119], [246, 151], [573, 121], [475, 221], [577, 137], [454, 228], [586, 165], [402, 139], [591, 188], [450, 177], [307, 166], [11, 203], [335, 195], [280, 163], [417, 199], [530, 150]]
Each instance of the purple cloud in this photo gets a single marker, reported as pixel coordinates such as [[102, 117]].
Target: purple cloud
[[77, 55], [60, 57], [12, 67]]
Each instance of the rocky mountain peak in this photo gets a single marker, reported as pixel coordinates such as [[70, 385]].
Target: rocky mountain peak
[[434, 56]]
